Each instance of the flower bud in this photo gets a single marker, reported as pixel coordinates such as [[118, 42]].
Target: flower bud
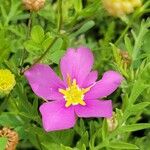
[[12, 138], [136, 3], [7, 82], [121, 7], [33, 5], [112, 122], [126, 59]]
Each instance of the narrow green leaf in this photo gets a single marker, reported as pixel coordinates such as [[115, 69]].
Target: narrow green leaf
[[50, 146], [65, 147], [134, 127], [78, 5], [119, 115], [104, 130], [137, 89], [87, 26], [122, 145], [128, 44], [139, 107], [90, 9], [84, 140], [3, 11]]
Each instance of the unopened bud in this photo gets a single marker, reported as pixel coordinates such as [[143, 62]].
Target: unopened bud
[[126, 59], [12, 138], [112, 122], [33, 5], [121, 7]]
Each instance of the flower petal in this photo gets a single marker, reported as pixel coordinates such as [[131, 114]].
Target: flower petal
[[44, 82], [77, 63], [90, 79], [104, 87], [55, 116], [95, 108]]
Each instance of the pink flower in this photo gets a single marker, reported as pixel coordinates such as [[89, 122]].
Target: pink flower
[[77, 94]]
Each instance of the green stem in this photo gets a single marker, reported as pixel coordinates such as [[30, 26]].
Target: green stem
[[55, 39], [123, 33], [138, 13], [39, 143], [60, 15], [4, 104], [28, 34], [46, 51]]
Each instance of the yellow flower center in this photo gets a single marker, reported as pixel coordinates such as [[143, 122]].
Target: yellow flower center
[[73, 94], [7, 81]]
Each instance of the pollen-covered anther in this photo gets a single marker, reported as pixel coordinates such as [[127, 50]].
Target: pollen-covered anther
[[73, 95]]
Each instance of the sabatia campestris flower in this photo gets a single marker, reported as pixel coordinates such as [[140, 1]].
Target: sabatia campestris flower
[[77, 95]]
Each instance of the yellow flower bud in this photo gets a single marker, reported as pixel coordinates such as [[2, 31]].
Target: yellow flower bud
[[33, 5], [121, 7], [136, 3], [127, 7], [7, 82]]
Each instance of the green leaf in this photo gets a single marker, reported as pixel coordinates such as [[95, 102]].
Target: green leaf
[[55, 57], [90, 9], [3, 142], [50, 146], [57, 45], [119, 116], [104, 130], [37, 34], [87, 26], [78, 5], [128, 44], [32, 47], [134, 127], [139, 107], [55, 53], [65, 147], [9, 120], [84, 140], [137, 89], [139, 38], [46, 42], [83, 147], [122, 145]]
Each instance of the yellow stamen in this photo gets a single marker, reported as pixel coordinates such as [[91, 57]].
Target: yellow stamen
[[73, 94], [68, 80]]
